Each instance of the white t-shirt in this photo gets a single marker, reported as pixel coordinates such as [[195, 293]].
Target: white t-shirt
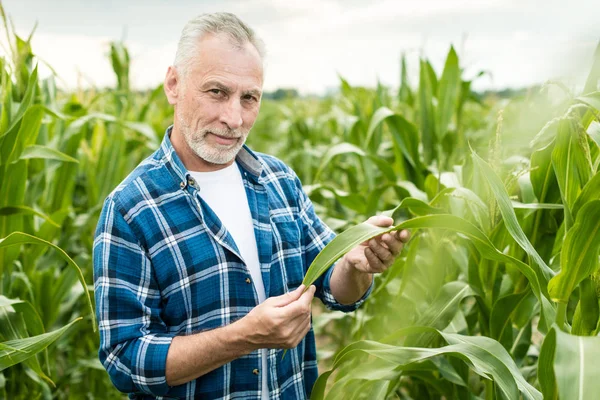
[[224, 192]]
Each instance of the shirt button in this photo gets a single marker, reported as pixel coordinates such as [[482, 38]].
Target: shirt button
[[182, 185], [248, 280], [191, 182], [255, 371]]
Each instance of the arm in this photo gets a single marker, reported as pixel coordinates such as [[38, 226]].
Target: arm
[[278, 322], [136, 347], [134, 340]]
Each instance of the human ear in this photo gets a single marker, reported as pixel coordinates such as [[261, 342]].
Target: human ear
[[171, 85]]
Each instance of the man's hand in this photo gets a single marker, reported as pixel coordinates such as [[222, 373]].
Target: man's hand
[[353, 273], [281, 321], [378, 254]]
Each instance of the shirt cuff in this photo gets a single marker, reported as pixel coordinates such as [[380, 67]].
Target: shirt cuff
[[149, 374], [332, 304]]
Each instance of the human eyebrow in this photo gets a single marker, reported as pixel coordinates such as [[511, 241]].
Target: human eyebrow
[[218, 85], [254, 92]]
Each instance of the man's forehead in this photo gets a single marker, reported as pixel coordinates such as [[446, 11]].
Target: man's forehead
[[223, 60], [223, 43]]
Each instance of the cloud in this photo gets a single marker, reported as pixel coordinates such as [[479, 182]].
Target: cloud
[[310, 42], [82, 61], [79, 60]]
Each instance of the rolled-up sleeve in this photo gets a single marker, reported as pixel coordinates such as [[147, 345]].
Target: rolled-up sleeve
[[134, 341], [330, 301], [315, 236]]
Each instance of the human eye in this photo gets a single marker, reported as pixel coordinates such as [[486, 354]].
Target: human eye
[[250, 98]]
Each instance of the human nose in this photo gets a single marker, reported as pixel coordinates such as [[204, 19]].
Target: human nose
[[231, 114]]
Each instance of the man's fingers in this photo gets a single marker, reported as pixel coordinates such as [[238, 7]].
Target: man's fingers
[[289, 297], [302, 305], [392, 242], [375, 264], [306, 328], [307, 296], [299, 328], [403, 235], [382, 253]]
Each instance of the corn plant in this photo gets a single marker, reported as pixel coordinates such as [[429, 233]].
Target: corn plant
[[496, 295], [59, 158]]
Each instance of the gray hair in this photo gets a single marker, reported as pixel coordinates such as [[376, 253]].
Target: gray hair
[[216, 23]]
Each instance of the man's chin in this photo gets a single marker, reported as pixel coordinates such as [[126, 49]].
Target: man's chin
[[217, 159]]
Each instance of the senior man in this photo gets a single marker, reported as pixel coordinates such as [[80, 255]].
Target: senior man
[[200, 252]]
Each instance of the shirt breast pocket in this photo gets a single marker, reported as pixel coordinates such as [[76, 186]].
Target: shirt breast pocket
[[287, 259]]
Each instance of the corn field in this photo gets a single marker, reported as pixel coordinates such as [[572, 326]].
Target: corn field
[[496, 296]]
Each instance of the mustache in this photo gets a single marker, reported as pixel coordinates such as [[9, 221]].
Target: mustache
[[226, 133]]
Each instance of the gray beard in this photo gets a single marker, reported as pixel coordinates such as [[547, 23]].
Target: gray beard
[[213, 153]]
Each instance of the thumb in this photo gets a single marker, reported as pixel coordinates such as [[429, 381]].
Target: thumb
[[285, 299], [380, 220]]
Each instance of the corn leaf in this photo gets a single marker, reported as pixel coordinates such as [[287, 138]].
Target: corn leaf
[[441, 312], [591, 99], [545, 370], [13, 142], [45, 152], [542, 175], [26, 134], [509, 216], [339, 246], [591, 191], [405, 93], [29, 322], [357, 234], [485, 356], [587, 312], [536, 206], [575, 366], [19, 238], [405, 136], [579, 255], [15, 351], [593, 131], [426, 113], [25, 103], [571, 162], [378, 117], [448, 90], [337, 150], [13, 210], [501, 315]]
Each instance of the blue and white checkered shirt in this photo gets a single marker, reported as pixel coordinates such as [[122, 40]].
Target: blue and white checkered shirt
[[164, 265]]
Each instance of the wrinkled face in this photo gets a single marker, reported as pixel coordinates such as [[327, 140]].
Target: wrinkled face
[[219, 99]]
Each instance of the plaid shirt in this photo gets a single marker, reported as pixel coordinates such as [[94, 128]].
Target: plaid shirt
[[164, 265]]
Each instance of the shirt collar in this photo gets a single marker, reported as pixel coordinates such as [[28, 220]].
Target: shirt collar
[[245, 158]]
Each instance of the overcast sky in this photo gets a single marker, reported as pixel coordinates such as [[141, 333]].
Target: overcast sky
[[310, 42]]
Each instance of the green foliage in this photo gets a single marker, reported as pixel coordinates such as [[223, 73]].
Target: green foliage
[[506, 245], [495, 296], [59, 158]]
